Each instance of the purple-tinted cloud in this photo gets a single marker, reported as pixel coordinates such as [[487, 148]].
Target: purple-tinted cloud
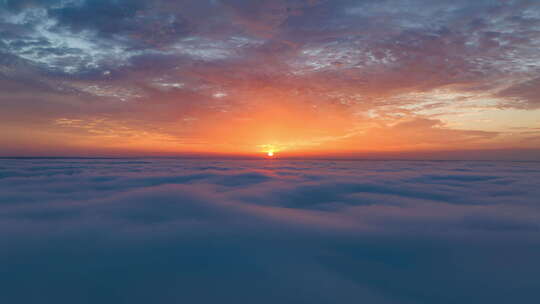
[[377, 60], [309, 231]]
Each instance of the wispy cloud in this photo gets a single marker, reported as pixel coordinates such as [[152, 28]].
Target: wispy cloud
[[391, 58]]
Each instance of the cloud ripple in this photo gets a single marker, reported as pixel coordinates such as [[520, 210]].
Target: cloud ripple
[[170, 230]]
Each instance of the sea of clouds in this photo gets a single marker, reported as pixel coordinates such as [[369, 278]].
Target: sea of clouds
[[275, 231]]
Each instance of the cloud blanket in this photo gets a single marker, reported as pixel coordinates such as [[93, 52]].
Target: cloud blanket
[[193, 231]]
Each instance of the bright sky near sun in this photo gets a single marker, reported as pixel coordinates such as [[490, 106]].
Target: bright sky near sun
[[133, 77]]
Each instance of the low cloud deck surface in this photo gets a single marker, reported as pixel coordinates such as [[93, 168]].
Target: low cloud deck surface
[[193, 231]]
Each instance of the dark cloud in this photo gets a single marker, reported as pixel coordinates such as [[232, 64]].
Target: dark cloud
[[162, 230], [132, 20], [18, 5]]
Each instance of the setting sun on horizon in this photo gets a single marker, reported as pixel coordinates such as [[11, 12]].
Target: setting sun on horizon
[[269, 151]]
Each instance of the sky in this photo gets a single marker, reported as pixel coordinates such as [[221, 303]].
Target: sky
[[263, 231], [298, 77]]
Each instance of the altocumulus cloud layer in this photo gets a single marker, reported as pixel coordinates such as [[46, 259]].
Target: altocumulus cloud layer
[[182, 73], [183, 231]]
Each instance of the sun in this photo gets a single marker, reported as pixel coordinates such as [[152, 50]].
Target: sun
[[270, 151]]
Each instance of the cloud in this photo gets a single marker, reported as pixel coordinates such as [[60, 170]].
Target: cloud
[[365, 63], [525, 93], [113, 230]]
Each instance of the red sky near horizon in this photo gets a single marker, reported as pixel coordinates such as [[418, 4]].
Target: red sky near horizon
[[97, 78]]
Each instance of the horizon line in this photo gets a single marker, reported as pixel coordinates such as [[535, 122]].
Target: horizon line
[[262, 158]]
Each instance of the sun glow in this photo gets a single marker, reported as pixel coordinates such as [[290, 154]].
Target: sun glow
[[270, 153]]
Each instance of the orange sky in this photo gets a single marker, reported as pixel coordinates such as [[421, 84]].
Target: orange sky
[[303, 79]]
